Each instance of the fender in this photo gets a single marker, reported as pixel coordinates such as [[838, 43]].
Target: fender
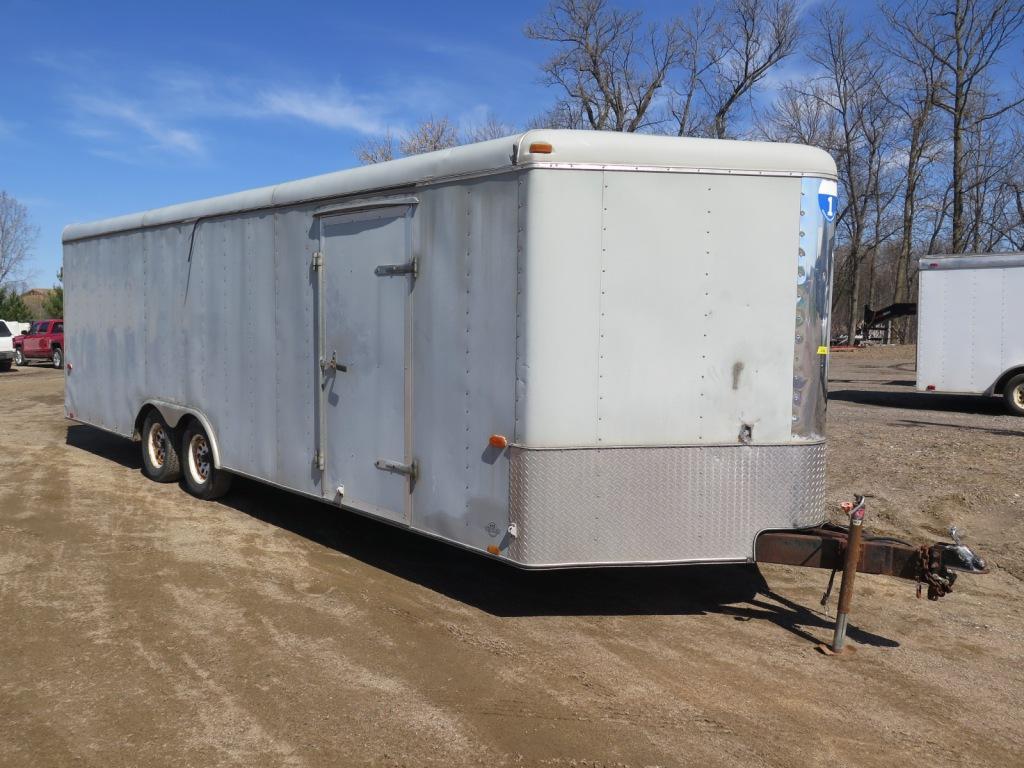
[[1004, 377], [173, 413]]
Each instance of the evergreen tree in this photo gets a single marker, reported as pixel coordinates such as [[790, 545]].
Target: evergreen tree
[[12, 307], [53, 306]]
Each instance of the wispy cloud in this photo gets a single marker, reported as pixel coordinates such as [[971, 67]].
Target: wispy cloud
[[335, 107], [166, 137], [337, 110], [806, 6], [173, 110], [90, 131]]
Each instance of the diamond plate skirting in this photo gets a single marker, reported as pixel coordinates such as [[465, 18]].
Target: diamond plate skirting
[[588, 506]]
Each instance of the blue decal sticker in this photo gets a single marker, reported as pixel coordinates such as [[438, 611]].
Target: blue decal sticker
[[828, 199], [827, 203]]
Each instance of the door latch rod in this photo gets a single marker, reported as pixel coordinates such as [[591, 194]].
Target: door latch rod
[[397, 467], [394, 270]]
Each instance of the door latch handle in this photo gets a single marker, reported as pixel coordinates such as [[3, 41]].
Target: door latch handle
[[332, 364]]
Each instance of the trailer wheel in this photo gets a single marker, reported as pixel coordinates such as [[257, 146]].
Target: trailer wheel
[[202, 479], [1013, 394], [160, 459]]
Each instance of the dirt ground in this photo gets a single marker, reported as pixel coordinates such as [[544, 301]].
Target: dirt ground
[[141, 627]]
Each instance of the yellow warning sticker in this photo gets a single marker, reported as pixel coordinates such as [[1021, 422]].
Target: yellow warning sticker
[[822, 350]]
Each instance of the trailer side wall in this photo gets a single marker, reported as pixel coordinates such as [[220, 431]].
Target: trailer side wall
[[219, 316]]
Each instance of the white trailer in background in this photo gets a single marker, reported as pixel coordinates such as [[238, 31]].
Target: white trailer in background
[[970, 334], [561, 348]]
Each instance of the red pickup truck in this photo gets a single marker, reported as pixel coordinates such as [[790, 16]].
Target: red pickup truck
[[44, 341]]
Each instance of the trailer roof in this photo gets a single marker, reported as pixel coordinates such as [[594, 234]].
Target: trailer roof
[[972, 261], [569, 149]]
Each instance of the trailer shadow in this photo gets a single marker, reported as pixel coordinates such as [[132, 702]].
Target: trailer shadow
[[914, 423], [105, 445], [921, 401], [497, 588], [874, 382], [739, 591]]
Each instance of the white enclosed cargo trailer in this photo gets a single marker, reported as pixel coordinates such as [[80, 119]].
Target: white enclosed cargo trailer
[[970, 322], [562, 348]]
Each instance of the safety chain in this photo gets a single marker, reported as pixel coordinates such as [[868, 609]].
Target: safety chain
[[939, 580]]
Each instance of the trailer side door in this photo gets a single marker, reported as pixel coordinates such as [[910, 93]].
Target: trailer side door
[[363, 299]]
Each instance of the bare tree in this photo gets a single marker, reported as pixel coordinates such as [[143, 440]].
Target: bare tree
[[698, 36], [377, 150], [607, 63], [1013, 180], [752, 38], [564, 114], [490, 128], [964, 38], [992, 211], [802, 113], [17, 237], [913, 91], [842, 108], [432, 134]]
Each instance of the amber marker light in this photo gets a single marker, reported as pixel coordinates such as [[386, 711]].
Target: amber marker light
[[493, 549], [498, 441], [541, 148]]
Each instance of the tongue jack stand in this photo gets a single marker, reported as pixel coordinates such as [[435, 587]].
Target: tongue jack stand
[[834, 547], [853, 546]]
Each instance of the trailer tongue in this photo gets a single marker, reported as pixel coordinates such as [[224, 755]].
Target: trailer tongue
[[833, 547]]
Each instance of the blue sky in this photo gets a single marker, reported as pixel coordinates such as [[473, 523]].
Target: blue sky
[[109, 108]]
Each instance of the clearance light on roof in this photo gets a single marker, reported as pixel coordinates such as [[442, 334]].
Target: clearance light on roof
[[541, 148]]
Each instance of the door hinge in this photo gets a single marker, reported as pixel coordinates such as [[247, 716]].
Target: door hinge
[[394, 270], [409, 470], [318, 260], [318, 460]]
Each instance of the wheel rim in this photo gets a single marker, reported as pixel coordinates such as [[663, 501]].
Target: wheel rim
[[199, 458], [157, 445], [18, 357], [57, 358], [1018, 396]]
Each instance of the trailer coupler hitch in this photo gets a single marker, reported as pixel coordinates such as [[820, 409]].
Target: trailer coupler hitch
[[852, 551]]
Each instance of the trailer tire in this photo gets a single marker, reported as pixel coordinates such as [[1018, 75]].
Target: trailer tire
[[1013, 395], [5, 365], [202, 479], [160, 458]]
